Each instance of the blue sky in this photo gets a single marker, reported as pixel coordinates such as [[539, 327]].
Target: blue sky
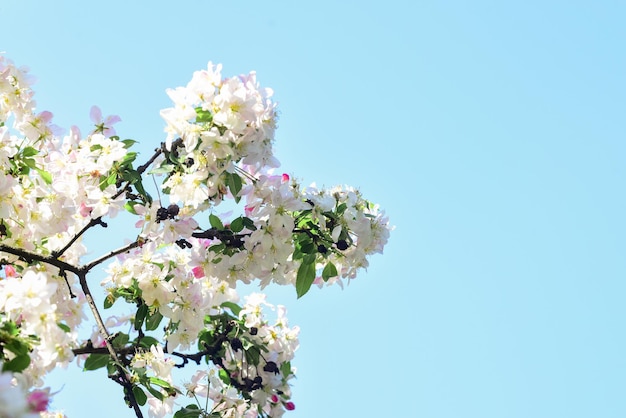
[[491, 132]]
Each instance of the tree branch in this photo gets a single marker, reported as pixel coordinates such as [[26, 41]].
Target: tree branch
[[123, 378], [29, 257], [93, 222], [113, 253]]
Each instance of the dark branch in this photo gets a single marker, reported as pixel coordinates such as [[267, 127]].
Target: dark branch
[[30, 257], [113, 253], [226, 236], [92, 223], [122, 377]]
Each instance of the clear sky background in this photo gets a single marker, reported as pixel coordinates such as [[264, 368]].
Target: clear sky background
[[491, 132]]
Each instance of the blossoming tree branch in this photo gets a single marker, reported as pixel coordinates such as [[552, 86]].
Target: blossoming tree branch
[[180, 270]]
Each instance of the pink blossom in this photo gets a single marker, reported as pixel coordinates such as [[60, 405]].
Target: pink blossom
[[290, 406], [38, 400], [9, 271], [103, 126], [198, 272], [85, 211]]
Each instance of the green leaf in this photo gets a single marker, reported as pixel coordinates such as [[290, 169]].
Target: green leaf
[[142, 311], [329, 271], [224, 377], [130, 206], [109, 300], [147, 341], [235, 309], [285, 369], [29, 152], [249, 224], [140, 395], [305, 276], [47, 177], [29, 162], [17, 346], [217, 248], [307, 246], [17, 364], [190, 411], [140, 189], [216, 222], [112, 179], [163, 169], [96, 361], [237, 225], [156, 393], [203, 116], [129, 143], [131, 176], [120, 340], [111, 368], [11, 328], [153, 320], [234, 184], [163, 383], [252, 355], [205, 337], [63, 326]]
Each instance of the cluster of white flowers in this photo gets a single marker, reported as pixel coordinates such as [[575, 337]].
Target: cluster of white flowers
[[274, 203], [272, 394], [220, 132], [35, 301], [220, 122], [43, 212], [169, 283]]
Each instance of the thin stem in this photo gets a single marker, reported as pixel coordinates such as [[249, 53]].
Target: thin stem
[[111, 254], [98, 221], [246, 174], [91, 223], [82, 278]]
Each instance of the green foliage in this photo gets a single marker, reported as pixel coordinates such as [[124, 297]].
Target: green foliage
[[153, 320], [216, 222], [203, 116], [306, 275], [96, 361], [140, 395], [189, 411], [329, 271], [140, 316], [18, 345], [234, 183]]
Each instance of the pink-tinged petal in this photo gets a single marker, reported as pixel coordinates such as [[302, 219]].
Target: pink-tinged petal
[[10, 271], [108, 132], [38, 400], [75, 133], [45, 116], [290, 406], [285, 177], [95, 114], [85, 211], [110, 120], [198, 272]]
